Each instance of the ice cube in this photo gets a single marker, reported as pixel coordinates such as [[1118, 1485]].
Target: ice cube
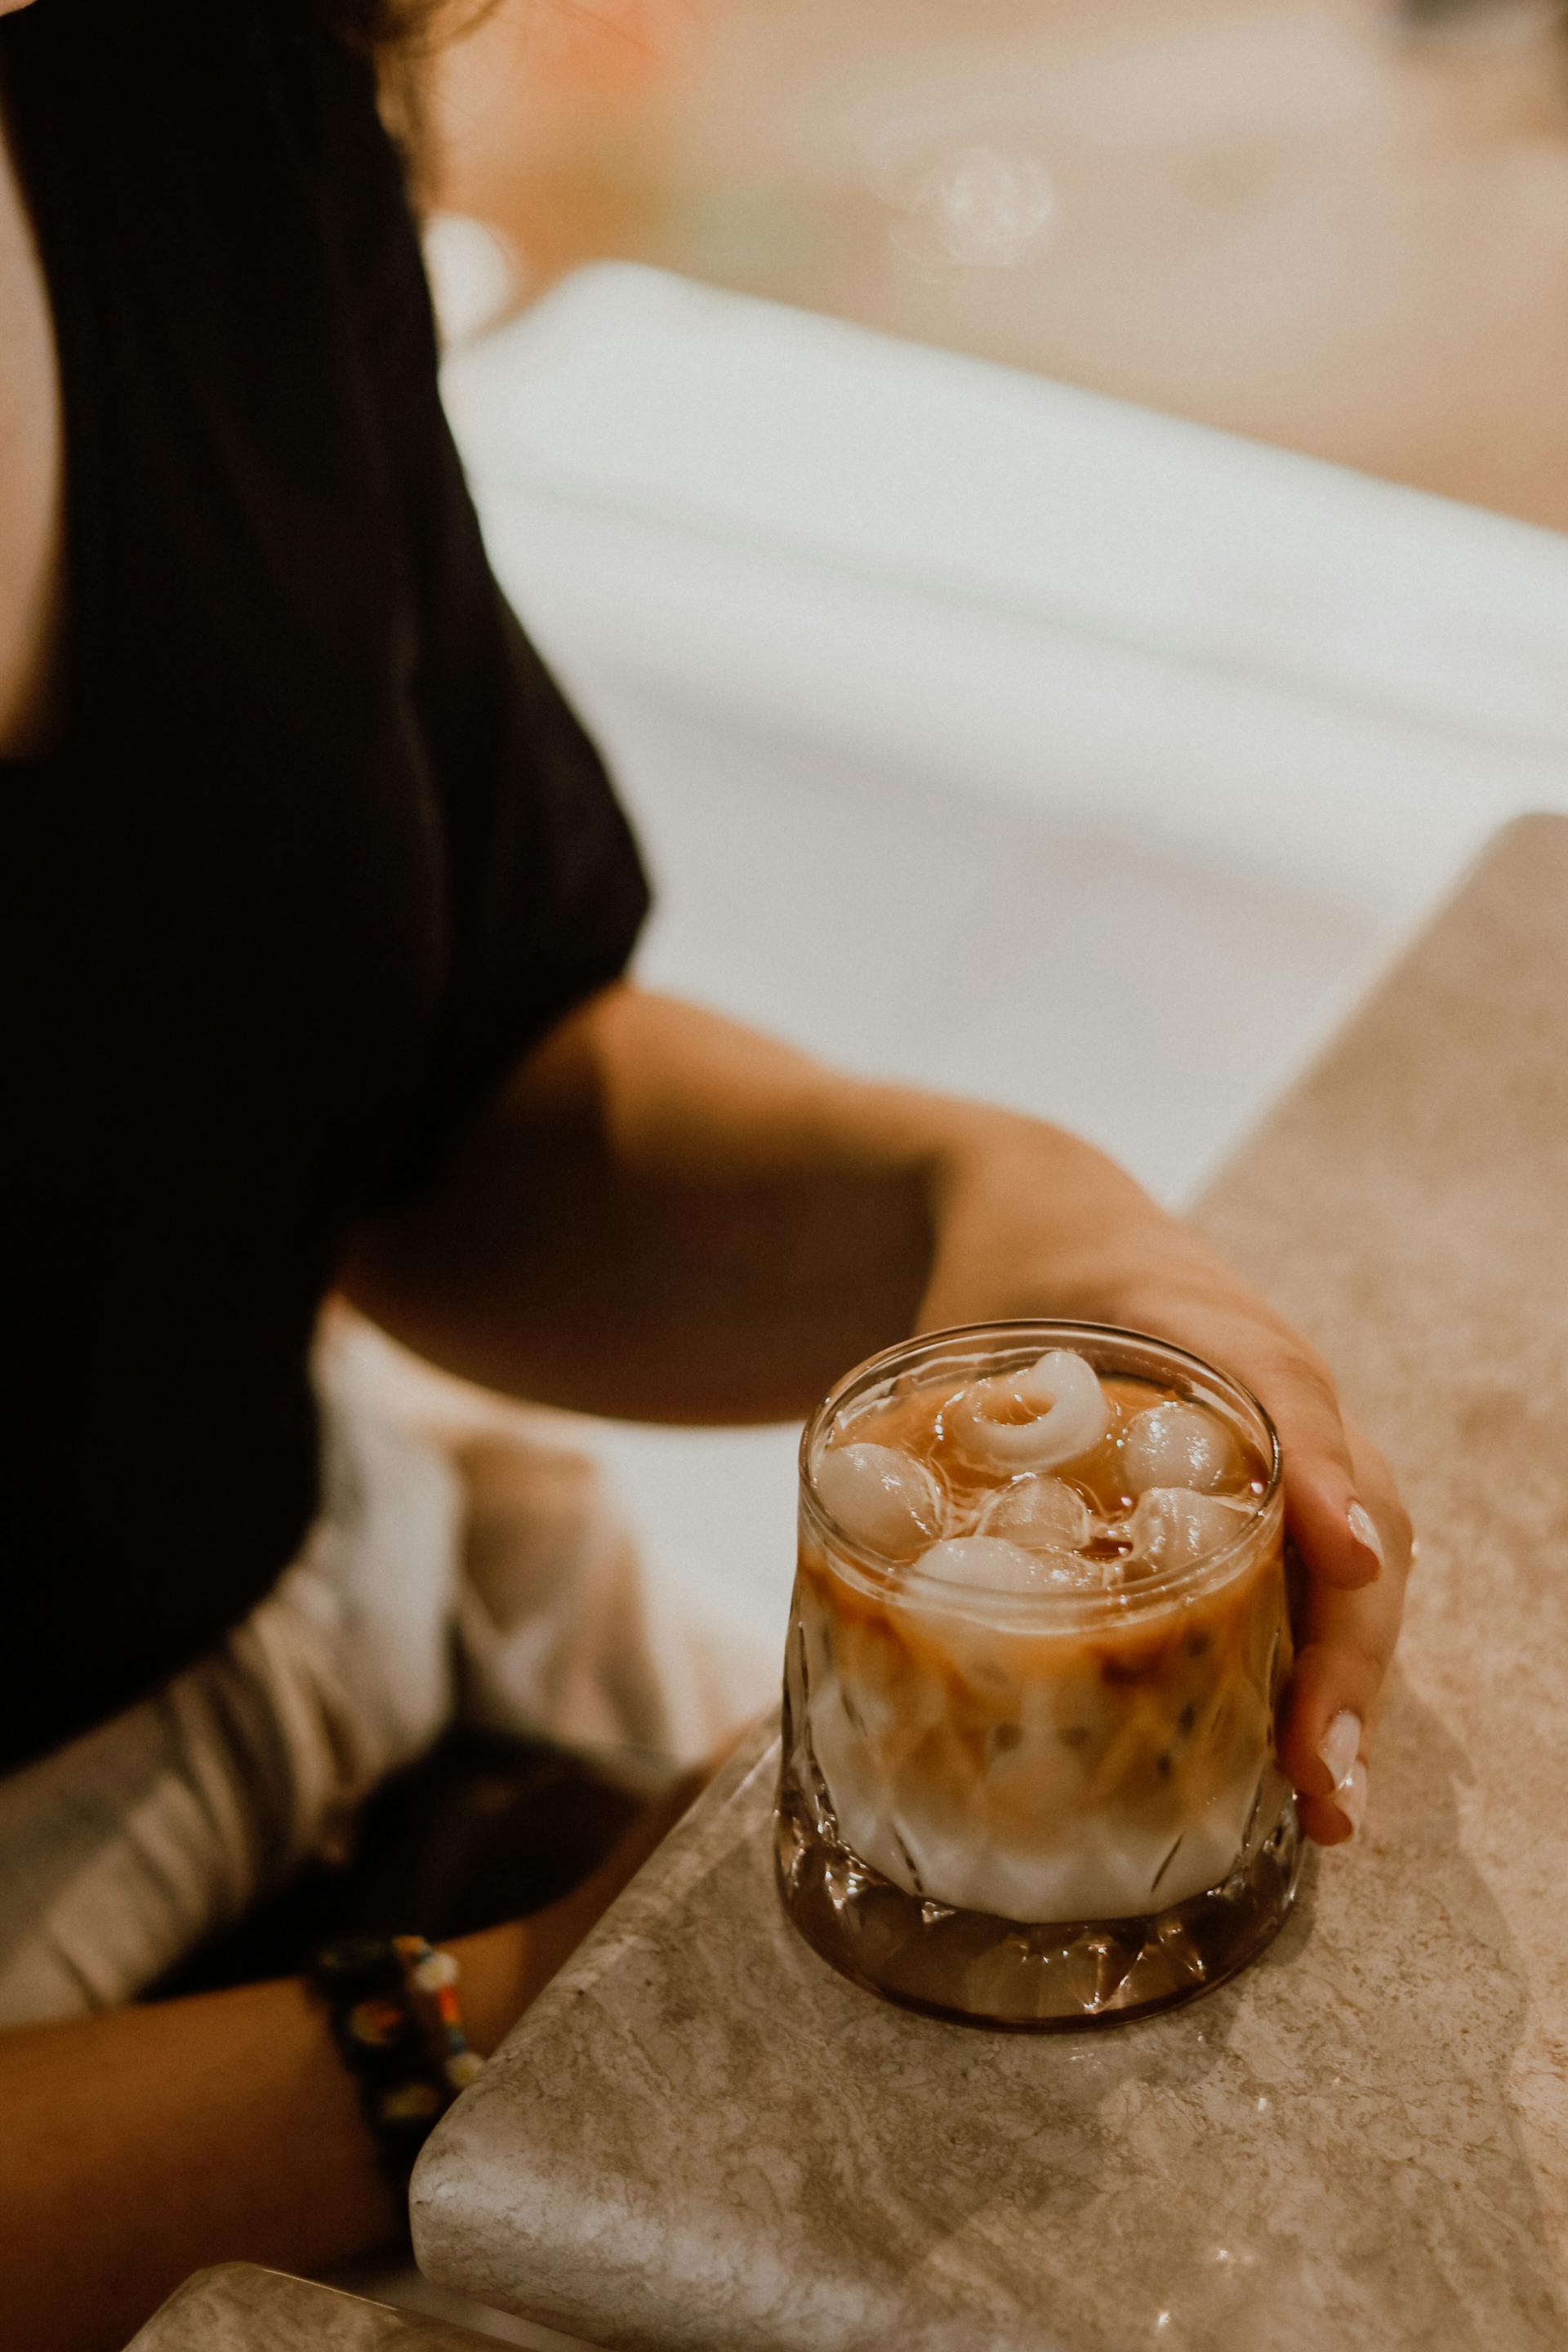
[[1171, 1526], [1053, 1412], [992, 1564], [880, 1497], [1178, 1444], [1040, 1512]]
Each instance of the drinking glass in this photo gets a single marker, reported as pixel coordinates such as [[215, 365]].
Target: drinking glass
[[1041, 1808]]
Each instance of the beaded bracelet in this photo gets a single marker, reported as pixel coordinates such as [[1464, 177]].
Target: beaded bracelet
[[398, 2026]]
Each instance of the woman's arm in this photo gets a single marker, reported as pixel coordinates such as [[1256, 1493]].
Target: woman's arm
[[667, 1217], [141, 2145]]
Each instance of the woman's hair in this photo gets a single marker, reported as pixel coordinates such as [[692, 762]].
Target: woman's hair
[[380, 24], [402, 37]]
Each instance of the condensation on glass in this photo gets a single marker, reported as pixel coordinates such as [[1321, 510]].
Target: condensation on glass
[[1028, 1774]]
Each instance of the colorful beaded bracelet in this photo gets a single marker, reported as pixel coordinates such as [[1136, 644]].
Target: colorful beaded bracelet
[[398, 2025]]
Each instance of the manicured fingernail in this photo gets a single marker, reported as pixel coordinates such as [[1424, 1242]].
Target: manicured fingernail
[[1365, 1534], [1338, 1745], [1351, 1797]]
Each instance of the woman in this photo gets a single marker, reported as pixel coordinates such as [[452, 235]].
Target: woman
[[320, 907]]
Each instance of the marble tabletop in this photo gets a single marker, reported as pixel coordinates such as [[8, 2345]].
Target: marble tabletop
[[239, 2307], [703, 2138]]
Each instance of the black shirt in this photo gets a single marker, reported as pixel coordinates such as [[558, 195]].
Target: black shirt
[[320, 854]]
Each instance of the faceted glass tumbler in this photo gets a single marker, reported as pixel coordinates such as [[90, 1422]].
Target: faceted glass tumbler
[[1037, 1810]]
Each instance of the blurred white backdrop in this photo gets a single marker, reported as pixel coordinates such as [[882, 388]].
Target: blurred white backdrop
[[991, 733]]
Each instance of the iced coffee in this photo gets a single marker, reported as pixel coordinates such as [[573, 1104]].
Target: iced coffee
[[1038, 1634]]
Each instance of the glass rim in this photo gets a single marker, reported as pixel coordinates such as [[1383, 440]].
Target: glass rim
[[991, 1600]]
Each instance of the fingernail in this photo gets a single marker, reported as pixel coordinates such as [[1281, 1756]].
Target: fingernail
[[1365, 1534], [1351, 1797], [1338, 1745]]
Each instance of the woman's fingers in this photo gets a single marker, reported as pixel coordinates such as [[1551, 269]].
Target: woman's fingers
[[1334, 1526], [1353, 1545], [1352, 1542], [1332, 1523], [1345, 1643]]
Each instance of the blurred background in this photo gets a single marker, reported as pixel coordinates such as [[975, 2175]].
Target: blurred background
[[1052, 509], [1336, 225]]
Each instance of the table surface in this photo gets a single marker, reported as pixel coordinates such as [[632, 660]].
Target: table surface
[[701, 2137], [239, 2307]]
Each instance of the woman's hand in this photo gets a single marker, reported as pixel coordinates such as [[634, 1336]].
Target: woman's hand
[[1031, 1222]]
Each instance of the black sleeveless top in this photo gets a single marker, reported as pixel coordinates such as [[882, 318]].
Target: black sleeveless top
[[320, 852]]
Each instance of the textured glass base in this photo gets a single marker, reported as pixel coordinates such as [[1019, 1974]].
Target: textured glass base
[[983, 1971]]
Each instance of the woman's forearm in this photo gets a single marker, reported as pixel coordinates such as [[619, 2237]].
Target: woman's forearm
[[668, 1217], [144, 2143]]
